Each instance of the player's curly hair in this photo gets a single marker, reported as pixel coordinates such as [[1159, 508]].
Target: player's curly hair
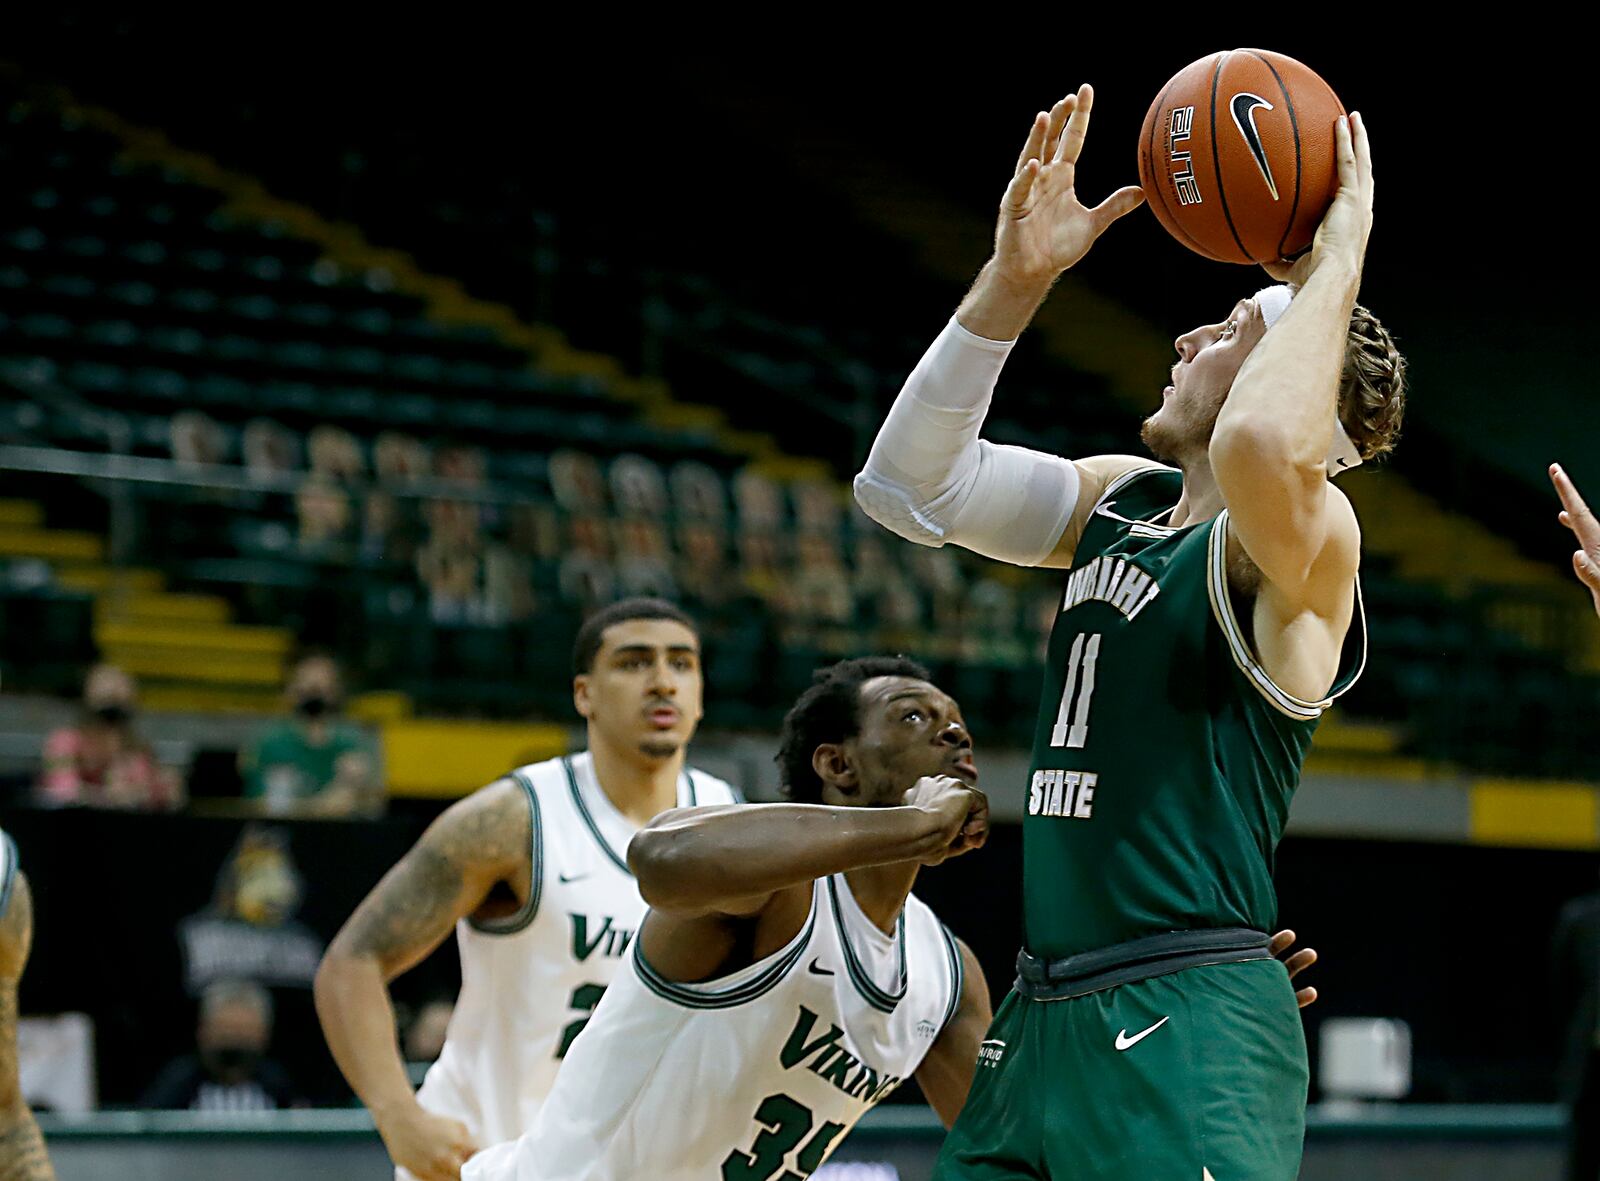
[[1372, 387], [830, 711]]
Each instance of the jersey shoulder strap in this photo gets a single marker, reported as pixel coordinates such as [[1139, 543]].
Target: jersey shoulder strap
[[1352, 657], [736, 989], [925, 929], [704, 788], [1141, 497], [510, 924]]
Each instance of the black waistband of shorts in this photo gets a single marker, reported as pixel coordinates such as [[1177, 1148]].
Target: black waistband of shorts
[[1138, 959]]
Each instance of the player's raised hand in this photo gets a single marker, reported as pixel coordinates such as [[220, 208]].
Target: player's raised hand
[[1342, 236], [430, 1147], [961, 814], [1296, 963], [1577, 516], [1044, 228]]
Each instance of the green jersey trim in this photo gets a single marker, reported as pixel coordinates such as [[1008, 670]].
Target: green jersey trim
[[702, 997], [1222, 608], [885, 1002], [958, 978], [588, 818], [512, 923]]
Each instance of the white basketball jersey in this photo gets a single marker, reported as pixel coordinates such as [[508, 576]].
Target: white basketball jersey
[[757, 1075], [530, 981]]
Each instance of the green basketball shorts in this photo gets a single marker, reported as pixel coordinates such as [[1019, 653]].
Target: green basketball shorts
[[1195, 1076]]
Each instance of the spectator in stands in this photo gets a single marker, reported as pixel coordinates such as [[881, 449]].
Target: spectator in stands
[[399, 459], [230, 1070], [1576, 515], [312, 763], [102, 761], [702, 565], [586, 576], [391, 522], [270, 448], [1577, 979], [454, 461], [642, 568], [323, 509], [335, 454], [197, 439]]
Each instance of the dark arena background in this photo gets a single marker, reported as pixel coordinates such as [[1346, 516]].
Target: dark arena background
[[410, 346]]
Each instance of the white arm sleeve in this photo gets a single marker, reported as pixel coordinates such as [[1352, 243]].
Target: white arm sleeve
[[930, 479]]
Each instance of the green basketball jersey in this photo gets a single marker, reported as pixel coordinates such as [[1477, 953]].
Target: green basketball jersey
[[1164, 757]]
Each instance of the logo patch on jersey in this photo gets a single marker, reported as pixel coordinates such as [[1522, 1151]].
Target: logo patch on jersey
[[830, 1061], [927, 1029], [990, 1053], [565, 880], [610, 940], [816, 969]]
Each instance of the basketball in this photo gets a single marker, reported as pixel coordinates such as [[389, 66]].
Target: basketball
[[1236, 156]]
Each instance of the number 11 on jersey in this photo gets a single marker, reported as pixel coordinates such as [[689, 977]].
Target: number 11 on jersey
[[1072, 726]]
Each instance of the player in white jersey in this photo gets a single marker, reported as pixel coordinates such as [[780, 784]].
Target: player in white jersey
[[785, 980], [531, 874], [22, 1155]]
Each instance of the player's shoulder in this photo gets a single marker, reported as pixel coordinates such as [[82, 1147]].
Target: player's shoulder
[[490, 824], [706, 788]]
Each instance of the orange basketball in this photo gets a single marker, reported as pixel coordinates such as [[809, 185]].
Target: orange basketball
[[1236, 156]]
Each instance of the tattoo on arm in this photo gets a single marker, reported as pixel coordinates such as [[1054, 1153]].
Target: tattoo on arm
[[445, 877], [22, 1154]]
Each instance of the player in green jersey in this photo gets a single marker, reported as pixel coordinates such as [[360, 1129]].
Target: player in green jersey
[[1210, 615]]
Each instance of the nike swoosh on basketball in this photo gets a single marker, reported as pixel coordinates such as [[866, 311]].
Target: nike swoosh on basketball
[[816, 971], [1244, 107], [1124, 1042]]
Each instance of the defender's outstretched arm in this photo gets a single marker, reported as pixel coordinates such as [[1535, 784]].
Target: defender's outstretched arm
[[732, 860]]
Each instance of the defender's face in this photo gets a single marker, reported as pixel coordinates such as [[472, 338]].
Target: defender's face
[[1209, 358], [644, 689], [909, 729]]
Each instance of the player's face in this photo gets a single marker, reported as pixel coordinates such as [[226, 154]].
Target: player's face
[[909, 729], [644, 691], [1209, 358]]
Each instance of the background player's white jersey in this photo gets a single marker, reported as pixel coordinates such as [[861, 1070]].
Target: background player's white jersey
[[530, 981], [8, 869], [754, 1076]]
